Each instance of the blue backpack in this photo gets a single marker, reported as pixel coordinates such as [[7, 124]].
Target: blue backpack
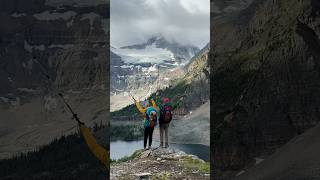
[[148, 122]]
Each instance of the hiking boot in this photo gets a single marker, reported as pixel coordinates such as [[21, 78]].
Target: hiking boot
[[149, 148], [161, 145], [167, 145]]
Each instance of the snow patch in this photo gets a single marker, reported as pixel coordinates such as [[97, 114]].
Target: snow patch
[[30, 48], [70, 23], [27, 90], [40, 47], [75, 3], [119, 77], [48, 16], [27, 46], [50, 103], [18, 15], [10, 79], [16, 102], [258, 160], [152, 68], [4, 99], [241, 172], [29, 65], [148, 70], [62, 46], [127, 66]]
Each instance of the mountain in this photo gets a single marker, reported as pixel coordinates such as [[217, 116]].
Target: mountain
[[265, 82], [155, 46], [192, 85], [50, 47], [143, 68]]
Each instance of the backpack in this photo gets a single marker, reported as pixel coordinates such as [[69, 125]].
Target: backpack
[[166, 114], [149, 122]]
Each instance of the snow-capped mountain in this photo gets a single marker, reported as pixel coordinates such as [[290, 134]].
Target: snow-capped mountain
[[149, 54], [156, 50], [147, 66]]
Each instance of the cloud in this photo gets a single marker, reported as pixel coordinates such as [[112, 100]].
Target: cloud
[[185, 21]]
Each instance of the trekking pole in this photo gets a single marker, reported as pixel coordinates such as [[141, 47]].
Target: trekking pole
[[43, 71], [158, 78], [75, 116], [132, 96]]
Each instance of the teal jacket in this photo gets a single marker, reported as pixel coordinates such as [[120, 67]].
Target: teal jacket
[[148, 112]]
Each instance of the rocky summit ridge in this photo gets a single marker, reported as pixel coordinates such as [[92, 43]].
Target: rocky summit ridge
[[160, 163]]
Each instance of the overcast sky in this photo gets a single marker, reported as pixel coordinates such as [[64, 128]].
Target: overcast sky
[[185, 21]]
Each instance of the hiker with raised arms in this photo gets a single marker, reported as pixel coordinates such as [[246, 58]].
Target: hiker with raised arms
[[150, 119], [166, 109]]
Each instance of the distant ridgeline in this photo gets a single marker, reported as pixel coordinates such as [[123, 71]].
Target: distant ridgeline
[[172, 92]]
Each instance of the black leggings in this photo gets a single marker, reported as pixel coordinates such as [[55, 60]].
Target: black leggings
[[148, 131]]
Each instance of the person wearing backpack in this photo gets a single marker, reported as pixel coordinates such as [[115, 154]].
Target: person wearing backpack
[[150, 120], [166, 109]]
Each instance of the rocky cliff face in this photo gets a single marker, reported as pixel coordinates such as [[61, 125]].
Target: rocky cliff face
[[67, 43], [48, 47], [224, 7], [266, 82], [196, 80]]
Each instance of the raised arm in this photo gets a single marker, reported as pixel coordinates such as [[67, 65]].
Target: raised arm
[[140, 108], [154, 104]]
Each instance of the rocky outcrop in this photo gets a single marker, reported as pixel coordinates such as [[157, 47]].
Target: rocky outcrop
[[160, 163], [266, 83]]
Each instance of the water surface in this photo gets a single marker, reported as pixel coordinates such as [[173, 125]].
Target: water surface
[[120, 149]]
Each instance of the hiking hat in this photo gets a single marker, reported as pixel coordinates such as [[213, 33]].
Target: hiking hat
[[165, 100]]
